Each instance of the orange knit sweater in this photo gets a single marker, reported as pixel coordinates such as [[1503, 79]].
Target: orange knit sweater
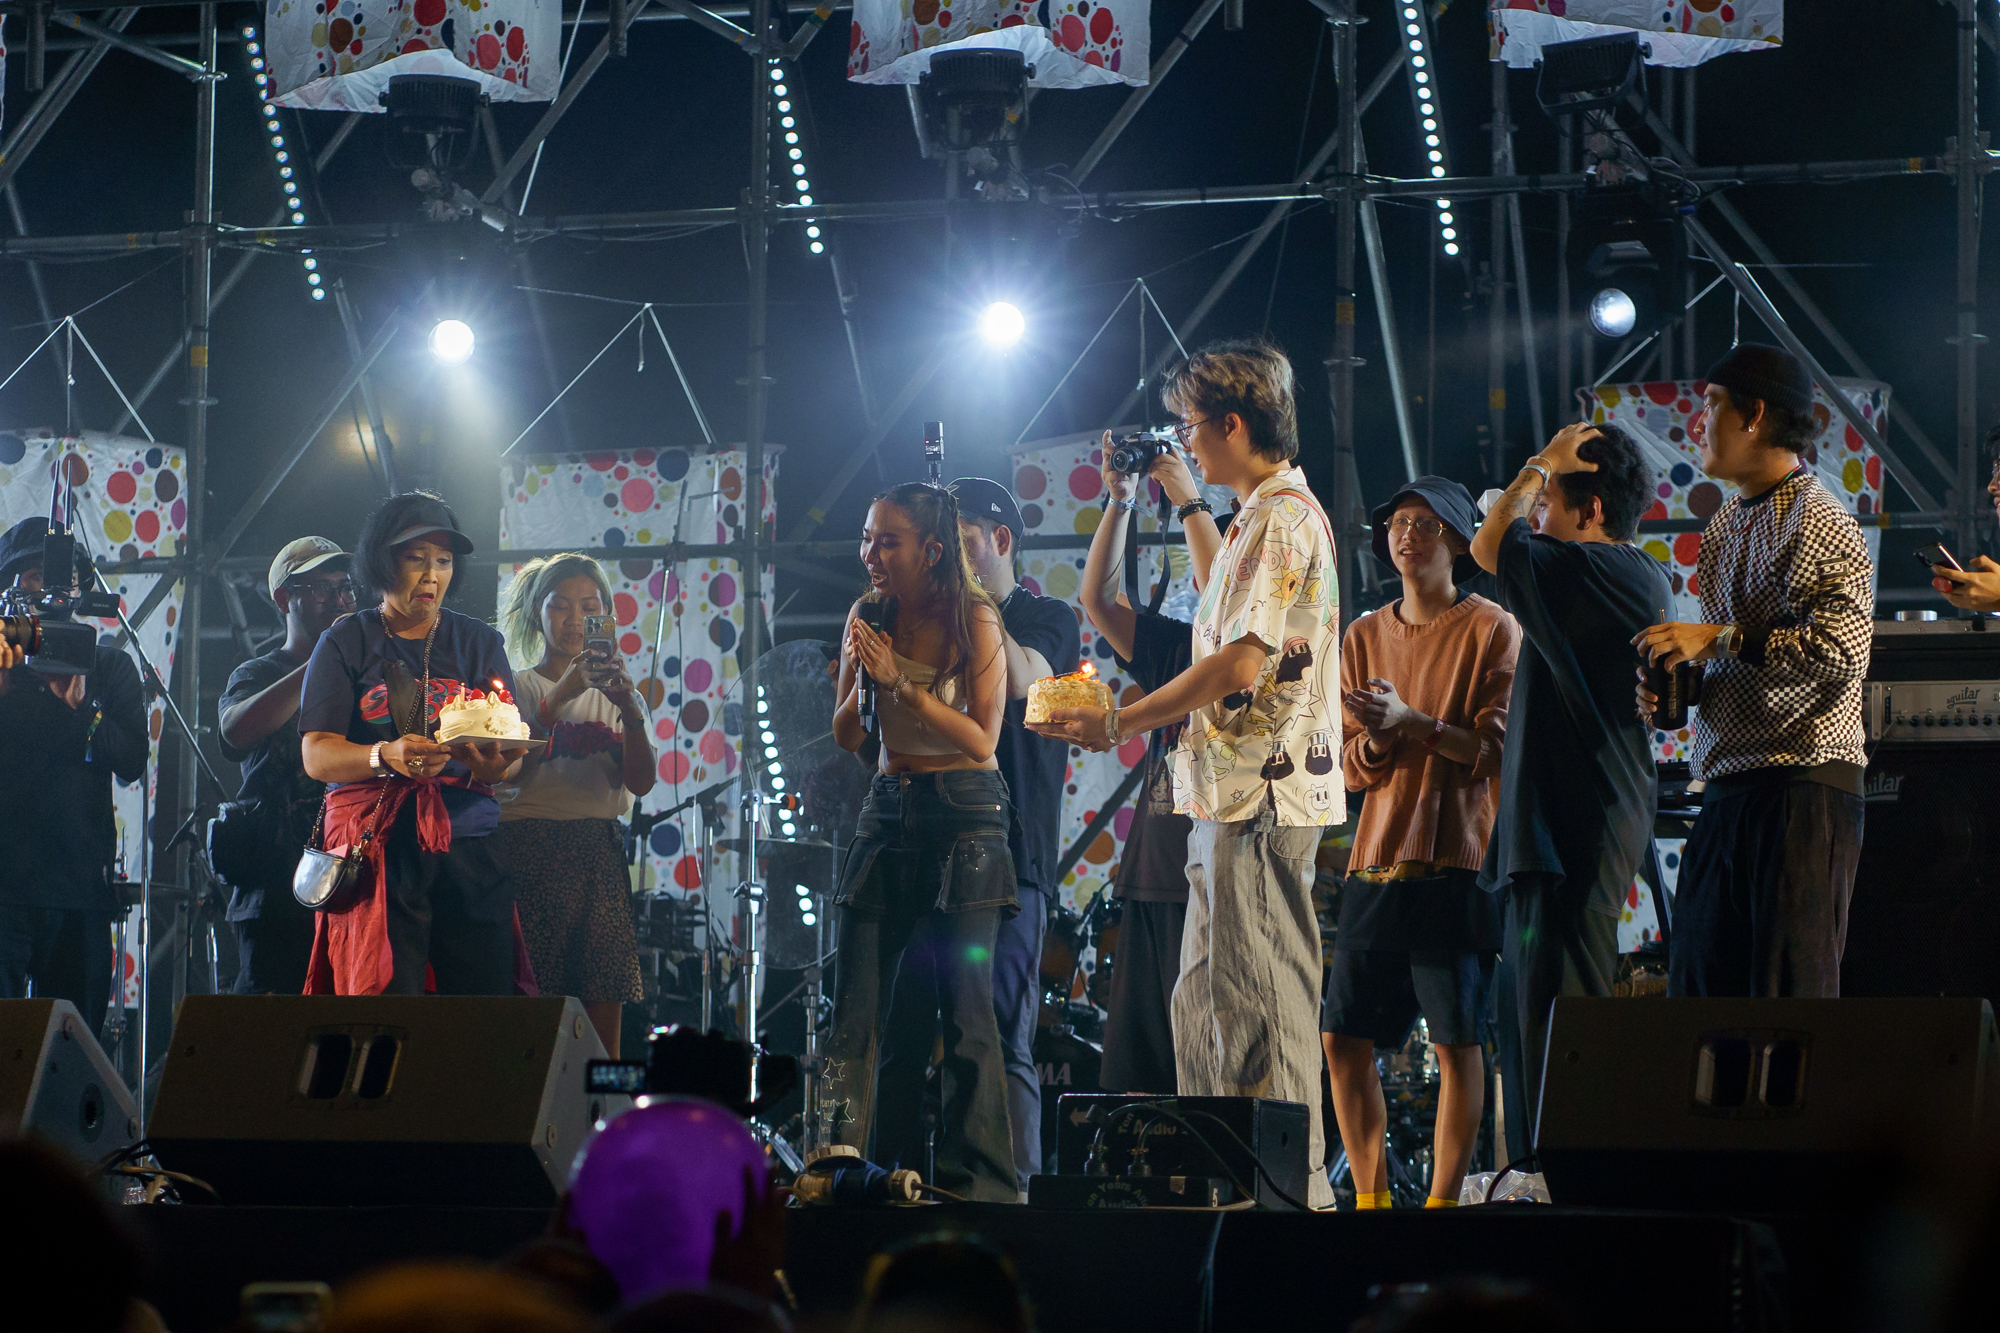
[[1420, 805]]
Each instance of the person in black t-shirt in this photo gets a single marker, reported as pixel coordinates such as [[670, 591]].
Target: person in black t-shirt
[[1040, 638], [64, 739], [258, 716], [1577, 791], [1152, 872]]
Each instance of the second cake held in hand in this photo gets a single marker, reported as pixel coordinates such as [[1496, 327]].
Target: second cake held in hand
[[1079, 689], [473, 716]]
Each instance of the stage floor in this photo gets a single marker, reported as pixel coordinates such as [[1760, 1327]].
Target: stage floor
[[1105, 1272]]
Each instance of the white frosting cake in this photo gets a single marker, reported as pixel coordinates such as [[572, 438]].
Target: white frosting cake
[[472, 716], [1079, 689]]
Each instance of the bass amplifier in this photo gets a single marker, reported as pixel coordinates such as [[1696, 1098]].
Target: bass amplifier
[[1204, 1140], [1925, 917], [345, 1100], [56, 1083], [1768, 1105]]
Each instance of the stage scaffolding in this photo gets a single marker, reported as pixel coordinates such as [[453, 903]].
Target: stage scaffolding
[[763, 39]]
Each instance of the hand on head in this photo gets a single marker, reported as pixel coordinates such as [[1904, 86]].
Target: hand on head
[[1560, 454]]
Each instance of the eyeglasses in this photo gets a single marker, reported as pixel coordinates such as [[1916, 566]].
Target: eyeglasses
[[1423, 527], [1184, 429], [325, 592]]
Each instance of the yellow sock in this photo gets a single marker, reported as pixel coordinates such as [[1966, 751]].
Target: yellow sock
[[1362, 1201], [1433, 1201]]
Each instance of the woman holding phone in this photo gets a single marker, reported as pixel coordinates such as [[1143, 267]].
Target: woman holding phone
[[560, 824]]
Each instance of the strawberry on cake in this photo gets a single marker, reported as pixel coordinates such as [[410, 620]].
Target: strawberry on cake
[[471, 715]]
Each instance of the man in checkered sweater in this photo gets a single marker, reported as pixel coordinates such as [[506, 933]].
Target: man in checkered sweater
[[1786, 597]]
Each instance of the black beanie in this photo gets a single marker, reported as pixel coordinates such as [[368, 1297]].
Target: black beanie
[[1770, 374]]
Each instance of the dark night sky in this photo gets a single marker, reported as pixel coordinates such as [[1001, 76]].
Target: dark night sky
[[667, 128]]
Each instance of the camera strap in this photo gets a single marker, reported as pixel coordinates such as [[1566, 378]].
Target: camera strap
[[1132, 560]]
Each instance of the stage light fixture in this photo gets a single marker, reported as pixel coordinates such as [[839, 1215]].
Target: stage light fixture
[[431, 121], [1416, 25], [280, 155], [1629, 255], [1593, 74], [1001, 325], [971, 99], [451, 340], [1612, 313]]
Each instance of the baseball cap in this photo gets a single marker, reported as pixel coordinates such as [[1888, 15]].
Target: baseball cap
[[982, 497], [1772, 374], [21, 547], [300, 555], [1452, 503], [430, 515]]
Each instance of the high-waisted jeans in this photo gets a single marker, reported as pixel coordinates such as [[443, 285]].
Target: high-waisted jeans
[[929, 857]]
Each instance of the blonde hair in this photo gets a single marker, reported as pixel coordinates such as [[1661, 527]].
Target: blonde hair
[[1250, 377], [521, 604]]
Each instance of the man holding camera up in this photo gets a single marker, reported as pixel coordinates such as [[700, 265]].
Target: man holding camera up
[[259, 714], [1263, 690], [64, 738]]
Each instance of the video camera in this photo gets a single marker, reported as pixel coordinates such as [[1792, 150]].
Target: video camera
[[45, 623], [1137, 452], [684, 1062]]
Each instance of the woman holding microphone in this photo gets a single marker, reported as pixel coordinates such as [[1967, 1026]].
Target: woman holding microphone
[[560, 824], [929, 866]]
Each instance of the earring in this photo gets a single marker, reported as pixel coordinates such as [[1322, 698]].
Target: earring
[[933, 553]]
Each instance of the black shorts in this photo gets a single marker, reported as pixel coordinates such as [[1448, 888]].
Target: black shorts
[[1378, 993]]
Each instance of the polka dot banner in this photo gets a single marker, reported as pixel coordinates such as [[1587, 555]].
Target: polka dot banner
[[130, 505], [1060, 487], [677, 627], [1676, 33], [1066, 43], [339, 55], [1661, 417]]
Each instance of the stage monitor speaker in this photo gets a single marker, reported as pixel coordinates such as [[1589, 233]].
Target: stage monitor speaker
[[1758, 1105], [378, 1100], [56, 1083], [1925, 917]]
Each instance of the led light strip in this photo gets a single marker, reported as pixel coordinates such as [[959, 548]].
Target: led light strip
[[788, 132], [1422, 67], [282, 154]]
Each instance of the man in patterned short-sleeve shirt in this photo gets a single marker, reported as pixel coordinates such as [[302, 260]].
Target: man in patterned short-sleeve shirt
[[1787, 596], [1257, 767]]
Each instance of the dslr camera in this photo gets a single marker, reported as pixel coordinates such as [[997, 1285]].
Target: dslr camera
[[1137, 452], [45, 624]]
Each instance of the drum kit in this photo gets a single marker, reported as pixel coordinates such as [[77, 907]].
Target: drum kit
[[715, 969]]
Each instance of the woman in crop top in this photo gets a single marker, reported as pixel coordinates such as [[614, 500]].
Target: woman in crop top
[[929, 861]]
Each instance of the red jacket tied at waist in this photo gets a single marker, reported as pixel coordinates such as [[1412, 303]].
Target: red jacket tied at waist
[[350, 950]]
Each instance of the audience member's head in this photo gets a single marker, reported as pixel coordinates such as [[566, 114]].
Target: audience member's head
[[1616, 494], [941, 1282], [568, 1269], [716, 1310], [647, 1198], [1466, 1305], [450, 1298], [56, 1222]]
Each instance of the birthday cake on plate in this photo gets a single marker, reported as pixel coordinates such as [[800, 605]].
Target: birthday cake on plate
[[474, 716], [1079, 689]]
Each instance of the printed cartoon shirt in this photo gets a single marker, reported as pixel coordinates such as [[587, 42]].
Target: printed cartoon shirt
[[580, 775], [1273, 584]]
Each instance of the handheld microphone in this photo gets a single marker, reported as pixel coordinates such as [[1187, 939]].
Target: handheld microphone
[[879, 616]]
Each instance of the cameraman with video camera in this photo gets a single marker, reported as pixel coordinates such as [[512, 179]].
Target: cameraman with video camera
[[65, 738]]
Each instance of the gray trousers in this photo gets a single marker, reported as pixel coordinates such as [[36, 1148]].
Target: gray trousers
[[1246, 1007]]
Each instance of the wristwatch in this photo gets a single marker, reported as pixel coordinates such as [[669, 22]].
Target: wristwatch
[[1726, 642], [375, 764]]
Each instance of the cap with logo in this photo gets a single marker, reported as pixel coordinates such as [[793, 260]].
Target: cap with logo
[[301, 555], [982, 497]]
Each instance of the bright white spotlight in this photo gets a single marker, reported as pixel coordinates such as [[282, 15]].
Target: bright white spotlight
[[451, 340], [1612, 313], [1001, 324]]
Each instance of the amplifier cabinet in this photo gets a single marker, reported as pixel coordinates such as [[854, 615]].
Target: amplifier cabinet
[[1925, 917]]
